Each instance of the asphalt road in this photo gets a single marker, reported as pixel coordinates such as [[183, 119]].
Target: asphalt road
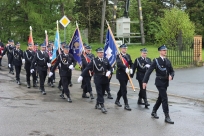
[[25, 112]]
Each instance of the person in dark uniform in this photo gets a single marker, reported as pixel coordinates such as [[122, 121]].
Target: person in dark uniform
[[67, 62], [86, 59], [141, 64], [83, 84], [63, 44], [102, 69], [9, 50], [51, 43], [28, 56], [17, 59], [42, 61], [164, 74], [1, 50], [107, 89], [50, 79], [36, 49], [121, 75]]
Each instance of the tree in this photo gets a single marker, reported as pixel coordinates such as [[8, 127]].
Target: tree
[[172, 24]]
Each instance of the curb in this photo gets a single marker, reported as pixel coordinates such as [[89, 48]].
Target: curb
[[153, 91]]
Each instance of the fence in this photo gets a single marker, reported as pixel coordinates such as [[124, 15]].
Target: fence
[[186, 52]]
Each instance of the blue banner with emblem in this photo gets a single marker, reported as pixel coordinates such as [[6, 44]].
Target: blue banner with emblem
[[76, 46], [55, 48], [110, 50]]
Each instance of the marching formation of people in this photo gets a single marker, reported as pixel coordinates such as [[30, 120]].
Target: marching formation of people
[[37, 63]]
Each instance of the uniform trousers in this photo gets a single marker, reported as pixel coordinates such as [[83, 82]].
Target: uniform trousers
[[123, 91], [162, 99], [18, 71], [142, 93], [65, 83]]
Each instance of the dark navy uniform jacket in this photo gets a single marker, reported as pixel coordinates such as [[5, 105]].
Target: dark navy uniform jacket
[[8, 49], [120, 72], [99, 68], [28, 56], [16, 57], [163, 70], [139, 64], [64, 61], [41, 61], [86, 59]]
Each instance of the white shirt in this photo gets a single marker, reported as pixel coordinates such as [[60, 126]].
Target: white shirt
[[143, 58], [162, 58], [123, 54], [101, 59]]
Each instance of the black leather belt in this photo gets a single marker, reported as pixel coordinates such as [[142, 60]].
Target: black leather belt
[[42, 66], [161, 77], [101, 74]]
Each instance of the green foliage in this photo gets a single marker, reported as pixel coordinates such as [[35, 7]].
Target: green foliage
[[17, 15], [174, 22]]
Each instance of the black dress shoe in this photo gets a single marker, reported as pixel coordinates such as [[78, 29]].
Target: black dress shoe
[[35, 85], [69, 100], [52, 85], [118, 103], [59, 88], [154, 114], [91, 95], [109, 96], [127, 107], [19, 83], [70, 85], [62, 96], [84, 95], [11, 72], [168, 119], [28, 85], [43, 93], [139, 102], [97, 106], [146, 103], [103, 110]]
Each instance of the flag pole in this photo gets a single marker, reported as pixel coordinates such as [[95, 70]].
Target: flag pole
[[58, 37], [46, 44], [120, 55], [82, 46]]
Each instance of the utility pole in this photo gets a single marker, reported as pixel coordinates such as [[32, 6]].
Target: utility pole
[[141, 22], [103, 20], [114, 15]]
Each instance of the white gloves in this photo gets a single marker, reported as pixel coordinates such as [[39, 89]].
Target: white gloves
[[50, 74], [23, 61], [127, 70], [131, 71], [49, 65], [32, 70], [50, 58], [80, 79], [147, 65], [113, 69], [108, 73], [71, 67], [9, 65]]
